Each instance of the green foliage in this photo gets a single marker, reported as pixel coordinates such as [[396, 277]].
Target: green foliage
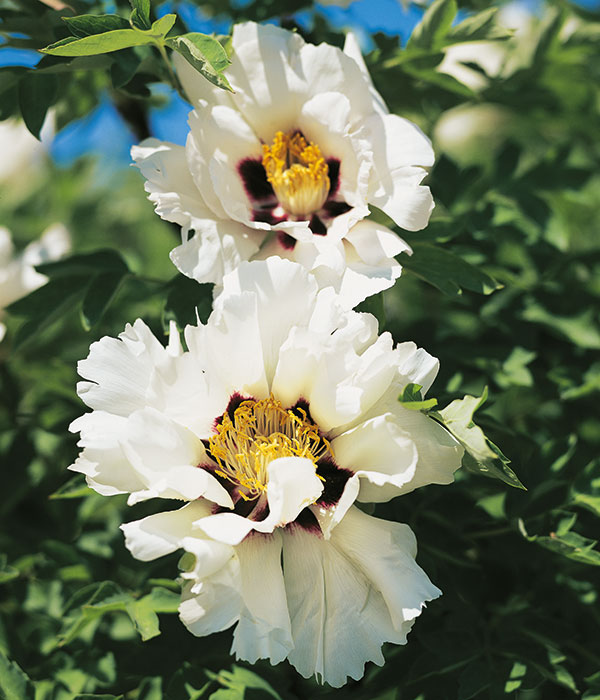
[[502, 287]]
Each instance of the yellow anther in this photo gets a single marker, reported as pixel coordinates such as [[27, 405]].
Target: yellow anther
[[298, 173], [260, 432]]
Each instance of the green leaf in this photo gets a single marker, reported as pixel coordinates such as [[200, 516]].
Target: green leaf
[[446, 271], [479, 27], [124, 67], [163, 25], [86, 25], [140, 16], [568, 544], [436, 22], [14, 683], [237, 681], [84, 263], [99, 43], [473, 680], [412, 399], [37, 92], [185, 299], [7, 573], [204, 53], [581, 329], [47, 304], [73, 488], [102, 290], [481, 455]]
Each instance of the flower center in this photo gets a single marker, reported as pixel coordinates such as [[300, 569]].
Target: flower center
[[258, 433], [297, 172]]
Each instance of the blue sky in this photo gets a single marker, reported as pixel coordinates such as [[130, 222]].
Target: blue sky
[[103, 131]]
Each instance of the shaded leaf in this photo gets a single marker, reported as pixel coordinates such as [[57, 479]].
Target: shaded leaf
[[205, 53], [481, 455], [436, 22], [412, 399], [446, 271], [102, 290], [14, 683], [85, 25], [37, 94]]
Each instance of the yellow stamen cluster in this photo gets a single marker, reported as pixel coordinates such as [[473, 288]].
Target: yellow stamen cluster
[[298, 173], [260, 432]]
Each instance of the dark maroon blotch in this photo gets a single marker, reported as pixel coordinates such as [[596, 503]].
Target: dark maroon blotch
[[307, 521], [254, 177], [285, 240], [335, 481], [317, 226], [303, 405], [334, 209], [333, 165]]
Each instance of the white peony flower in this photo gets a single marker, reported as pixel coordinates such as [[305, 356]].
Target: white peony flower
[[288, 164], [21, 151], [18, 275], [280, 414]]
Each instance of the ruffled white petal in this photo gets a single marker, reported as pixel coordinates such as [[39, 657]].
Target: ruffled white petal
[[163, 533], [381, 453], [169, 457], [120, 370], [344, 596], [401, 152], [106, 468], [220, 139], [264, 630], [216, 248], [352, 49]]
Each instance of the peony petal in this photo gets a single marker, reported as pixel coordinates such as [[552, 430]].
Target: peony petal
[[263, 631], [161, 534], [120, 370], [220, 139], [215, 249], [339, 620], [284, 296], [213, 604], [292, 486], [381, 453], [106, 468], [350, 594], [400, 152], [169, 183]]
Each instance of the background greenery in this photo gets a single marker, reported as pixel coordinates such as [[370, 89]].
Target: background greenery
[[503, 287]]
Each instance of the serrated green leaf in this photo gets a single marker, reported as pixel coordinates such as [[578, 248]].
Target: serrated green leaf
[[205, 54], [99, 43], [446, 271], [436, 22], [481, 455], [102, 290], [86, 25], [14, 683], [37, 93]]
